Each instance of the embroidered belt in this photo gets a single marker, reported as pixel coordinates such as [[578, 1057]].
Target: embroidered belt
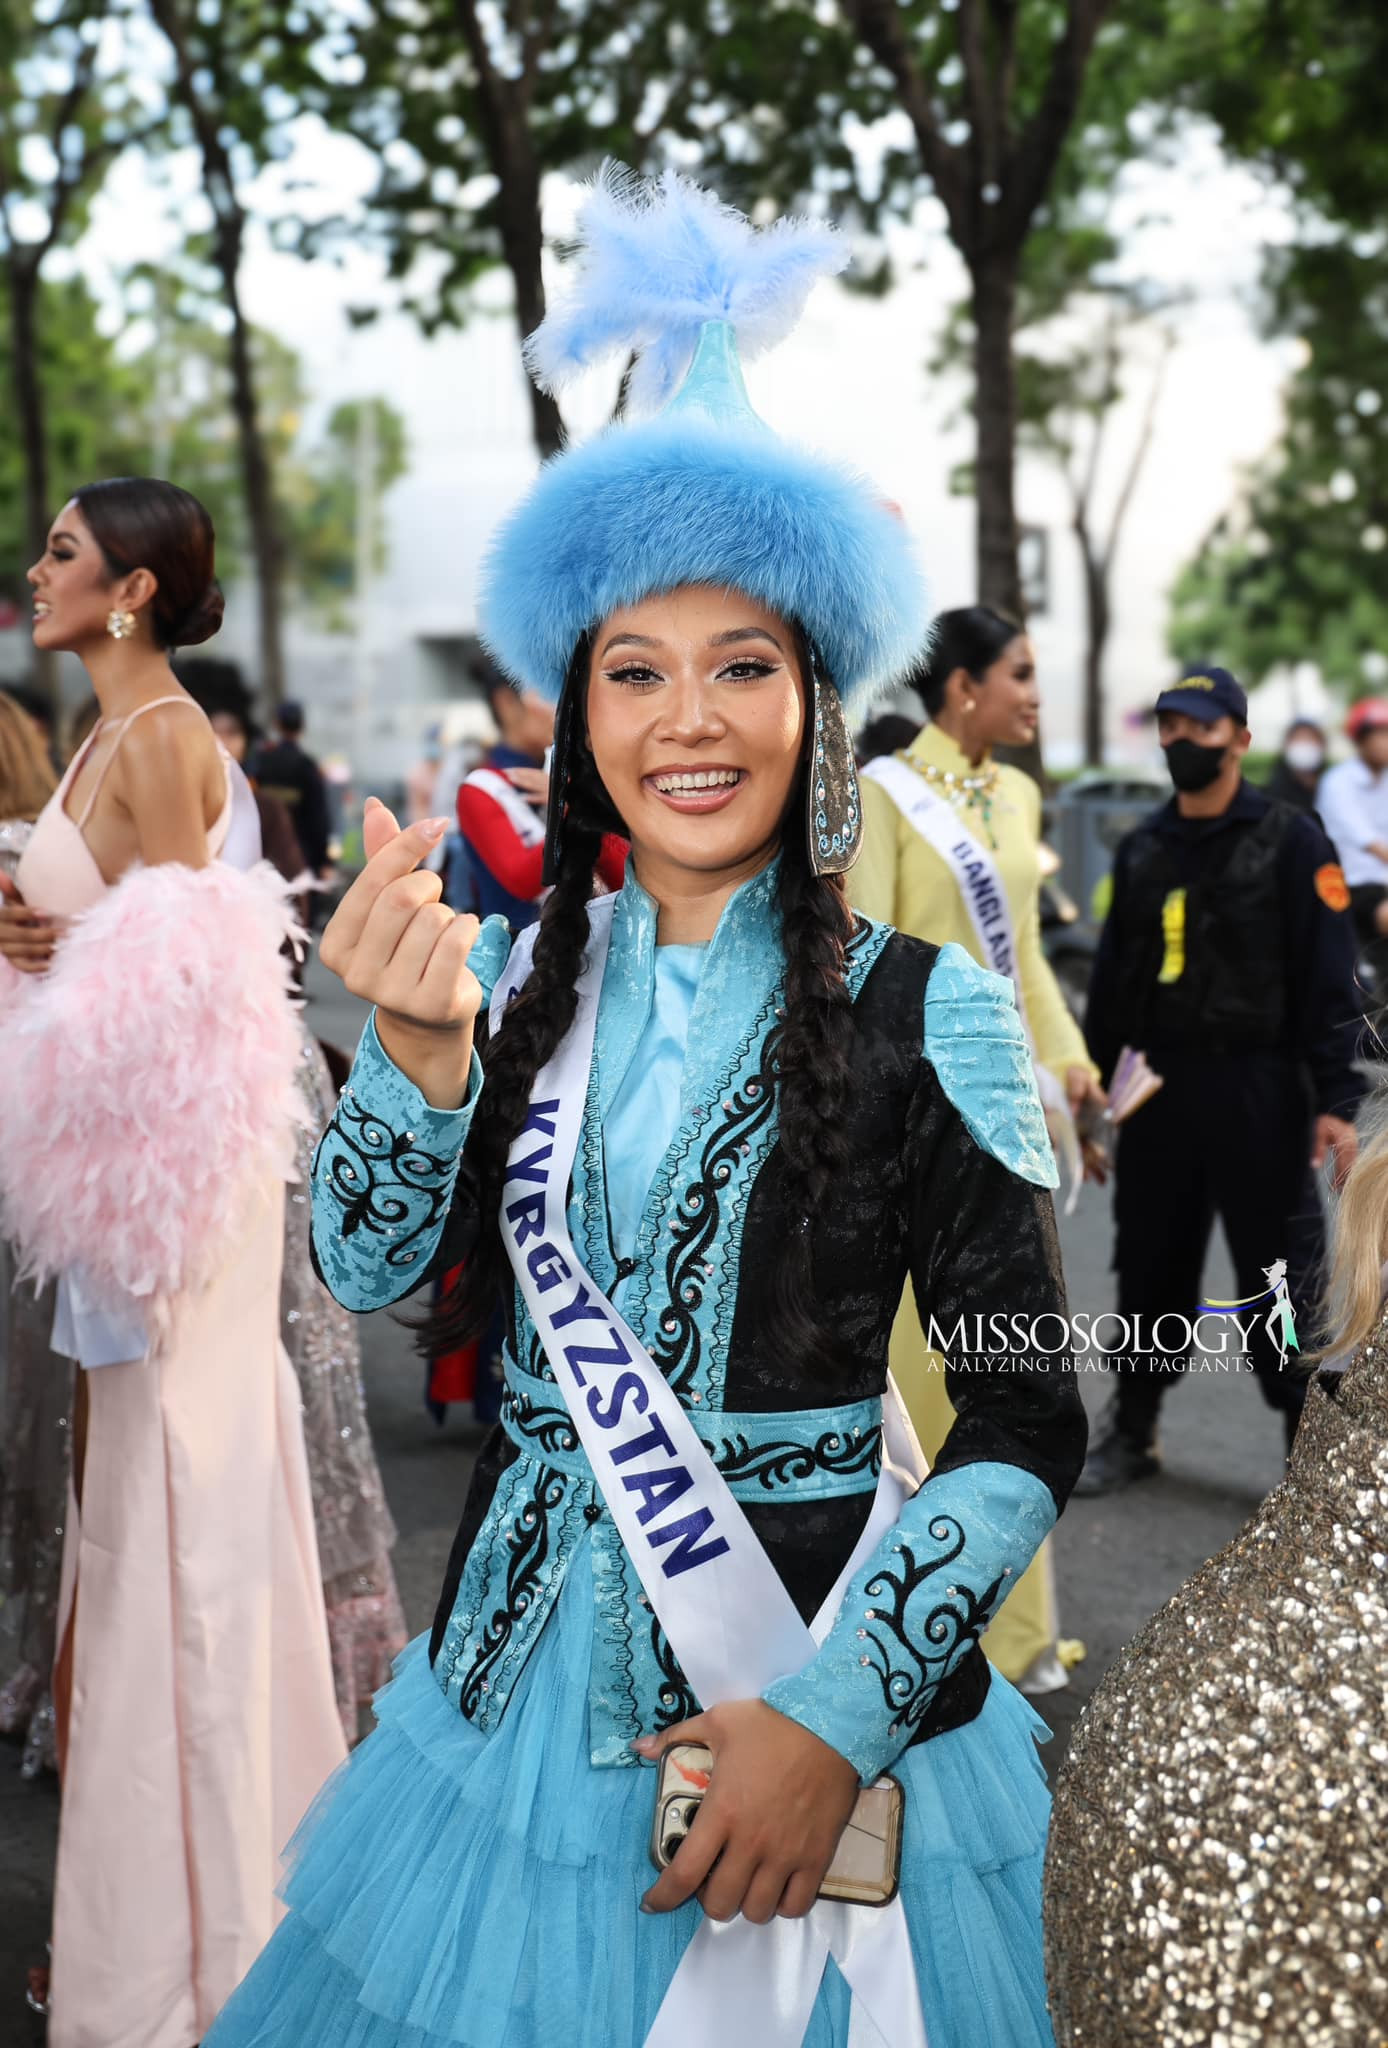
[[782, 1454]]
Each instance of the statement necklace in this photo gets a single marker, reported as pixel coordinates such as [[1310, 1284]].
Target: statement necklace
[[966, 792]]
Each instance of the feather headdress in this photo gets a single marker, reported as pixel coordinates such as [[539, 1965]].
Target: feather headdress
[[659, 262], [703, 492]]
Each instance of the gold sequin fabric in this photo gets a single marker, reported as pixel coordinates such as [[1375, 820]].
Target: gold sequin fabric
[[1217, 1875]]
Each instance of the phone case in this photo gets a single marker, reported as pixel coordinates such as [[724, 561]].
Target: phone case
[[866, 1869]]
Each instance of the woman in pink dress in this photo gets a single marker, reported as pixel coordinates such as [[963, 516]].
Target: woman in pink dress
[[149, 1105]]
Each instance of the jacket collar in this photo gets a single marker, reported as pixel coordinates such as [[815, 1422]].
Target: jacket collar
[[933, 748], [1248, 804], [744, 963]]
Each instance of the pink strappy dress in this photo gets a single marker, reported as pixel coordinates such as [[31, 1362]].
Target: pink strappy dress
[[203, 1715]]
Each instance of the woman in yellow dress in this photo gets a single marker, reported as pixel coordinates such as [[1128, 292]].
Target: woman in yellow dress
[[950, 852]]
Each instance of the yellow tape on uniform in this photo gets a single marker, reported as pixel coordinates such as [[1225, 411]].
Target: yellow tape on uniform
[[1173, 931]]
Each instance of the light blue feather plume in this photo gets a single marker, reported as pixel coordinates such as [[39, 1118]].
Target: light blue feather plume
[[659, 259]]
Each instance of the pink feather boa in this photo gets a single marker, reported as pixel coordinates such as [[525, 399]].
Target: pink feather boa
[[147, 1081]]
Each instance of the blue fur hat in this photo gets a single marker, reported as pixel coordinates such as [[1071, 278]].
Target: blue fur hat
[[703, 492]]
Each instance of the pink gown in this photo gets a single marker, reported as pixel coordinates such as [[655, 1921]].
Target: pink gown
[[203, 1717]]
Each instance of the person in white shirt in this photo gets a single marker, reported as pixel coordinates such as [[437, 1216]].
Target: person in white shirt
[[1353, 804]]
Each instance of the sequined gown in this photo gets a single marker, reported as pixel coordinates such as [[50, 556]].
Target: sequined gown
[[35, 1400], [1217, 1862], [35, 1452], [366, 1624]]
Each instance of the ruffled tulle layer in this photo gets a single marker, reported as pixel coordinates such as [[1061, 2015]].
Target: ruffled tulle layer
[[450, 1890]]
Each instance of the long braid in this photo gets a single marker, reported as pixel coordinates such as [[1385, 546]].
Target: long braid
[[535, 1024], [813, 1054]]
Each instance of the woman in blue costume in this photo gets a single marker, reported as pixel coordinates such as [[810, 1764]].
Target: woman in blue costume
[[781, 1109]]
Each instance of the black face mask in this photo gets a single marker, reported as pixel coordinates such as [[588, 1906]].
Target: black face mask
[[1192, 766]]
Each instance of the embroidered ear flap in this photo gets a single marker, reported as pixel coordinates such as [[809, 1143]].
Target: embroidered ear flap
[[834, 814]]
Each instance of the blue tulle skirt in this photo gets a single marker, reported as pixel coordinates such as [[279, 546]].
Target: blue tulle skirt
[[454, 1888]]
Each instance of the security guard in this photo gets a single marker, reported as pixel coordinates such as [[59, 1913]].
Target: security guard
[[1228, 959]]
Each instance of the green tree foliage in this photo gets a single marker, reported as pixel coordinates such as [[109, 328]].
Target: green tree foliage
[[1296, 571], [93, 416], [238, 74], [156, 400], [65, 115]]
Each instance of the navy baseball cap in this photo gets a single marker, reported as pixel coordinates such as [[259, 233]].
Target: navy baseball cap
[[1206, 694]]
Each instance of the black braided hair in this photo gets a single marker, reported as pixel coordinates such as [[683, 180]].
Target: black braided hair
[[811, 1052]]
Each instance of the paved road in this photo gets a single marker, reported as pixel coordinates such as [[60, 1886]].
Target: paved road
[[1117, 1560]]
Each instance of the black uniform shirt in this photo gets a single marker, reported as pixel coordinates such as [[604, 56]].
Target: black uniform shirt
[[285, 772], [1314, 983]]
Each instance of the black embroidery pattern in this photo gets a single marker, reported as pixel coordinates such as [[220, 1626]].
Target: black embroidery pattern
[[912, 1653], [528, 1547], [551, 1428], [782, 1464], [676, 1702], [679, 1341], [383, 1181]]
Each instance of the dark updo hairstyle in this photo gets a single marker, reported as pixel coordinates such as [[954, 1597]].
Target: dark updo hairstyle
[[810, 1053], [972, 638], [141, 522]]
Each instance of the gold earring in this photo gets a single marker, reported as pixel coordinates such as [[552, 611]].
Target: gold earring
[[121, 625]]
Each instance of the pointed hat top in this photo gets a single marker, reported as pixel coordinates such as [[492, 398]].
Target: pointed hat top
[[704, 491], [663, 262]]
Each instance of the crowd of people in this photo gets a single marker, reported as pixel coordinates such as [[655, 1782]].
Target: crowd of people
[[714, 1066]]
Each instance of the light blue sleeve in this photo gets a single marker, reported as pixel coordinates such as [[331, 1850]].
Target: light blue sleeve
[[975, 1042], [386, 1167], [908, 1619]]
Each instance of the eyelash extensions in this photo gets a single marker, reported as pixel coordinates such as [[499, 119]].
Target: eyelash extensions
[[637, 675]]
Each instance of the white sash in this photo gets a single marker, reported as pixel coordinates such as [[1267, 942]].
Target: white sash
[[731, 1622], [980, 885], [525, 821]]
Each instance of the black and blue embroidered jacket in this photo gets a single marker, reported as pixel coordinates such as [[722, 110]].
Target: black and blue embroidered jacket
[[949, 1181]]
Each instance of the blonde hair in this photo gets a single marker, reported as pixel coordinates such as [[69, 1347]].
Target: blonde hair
[[26, 776], [1354, 1291]]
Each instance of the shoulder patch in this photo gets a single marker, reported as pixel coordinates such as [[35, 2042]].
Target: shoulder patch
[[975, 1042], [1331, 886]]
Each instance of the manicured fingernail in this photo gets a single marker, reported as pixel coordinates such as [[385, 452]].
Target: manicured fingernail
[[373, 800], [645, 1908], [645, 1743], [434, 828]]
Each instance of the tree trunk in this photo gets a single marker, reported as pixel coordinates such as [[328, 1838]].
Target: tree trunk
[[257, 483], [995, 386], [1098, 619], [994, 273], [29, 402], [523, 241]]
